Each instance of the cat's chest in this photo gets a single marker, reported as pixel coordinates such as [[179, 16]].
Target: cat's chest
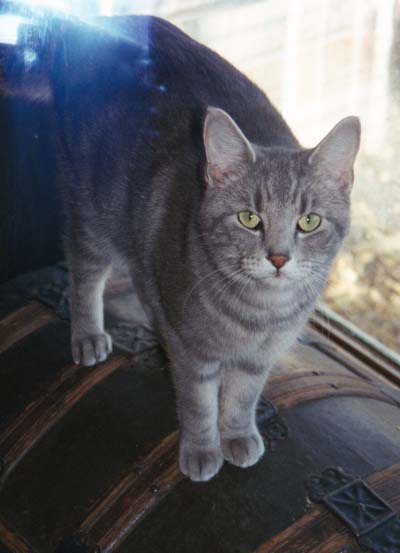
[[267, 327], [242, 328], [247, 335]]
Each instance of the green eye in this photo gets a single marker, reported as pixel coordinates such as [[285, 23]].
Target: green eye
[[249, 219], [309, 222]]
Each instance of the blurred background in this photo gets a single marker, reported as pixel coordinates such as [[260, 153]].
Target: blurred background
[[318, 61]]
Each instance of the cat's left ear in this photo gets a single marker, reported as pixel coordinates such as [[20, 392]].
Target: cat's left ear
[[227, 149], [337, 152]]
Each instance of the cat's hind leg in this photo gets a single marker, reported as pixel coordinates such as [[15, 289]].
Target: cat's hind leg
[[88, 274]]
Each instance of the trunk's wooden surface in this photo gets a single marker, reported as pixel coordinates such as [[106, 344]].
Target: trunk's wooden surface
[[89, 455]]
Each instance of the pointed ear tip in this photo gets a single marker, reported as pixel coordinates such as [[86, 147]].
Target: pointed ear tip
[[354, 122], [210, 115], [213, 111]]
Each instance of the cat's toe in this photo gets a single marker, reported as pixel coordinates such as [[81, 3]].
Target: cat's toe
[[200, 464], [91, 349], [243, 451]]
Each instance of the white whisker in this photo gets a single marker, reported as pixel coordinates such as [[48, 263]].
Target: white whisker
[[212, 275]]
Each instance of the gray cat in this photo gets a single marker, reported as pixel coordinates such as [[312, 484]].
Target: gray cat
[[178, 167]]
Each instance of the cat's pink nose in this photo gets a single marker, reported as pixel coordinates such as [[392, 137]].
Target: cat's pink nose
[[278, 261]]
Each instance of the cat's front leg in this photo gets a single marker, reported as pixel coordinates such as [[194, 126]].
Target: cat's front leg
[[197, 384], [90, 343], [241, 387]]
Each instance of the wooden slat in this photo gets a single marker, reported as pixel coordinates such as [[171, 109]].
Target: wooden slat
[[308, 533], [356, 333], [10, 539], [387, 484], [73, 383], [320, 531], [124, 506], [301, 372], [293, 391], [22, 322], [353, 344], [309, 378]]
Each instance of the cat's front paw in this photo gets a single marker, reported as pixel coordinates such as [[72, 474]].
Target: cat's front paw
[[91, 349], [243, 451], [200, 463]]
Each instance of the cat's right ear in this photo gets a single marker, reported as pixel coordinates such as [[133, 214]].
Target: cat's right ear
[[227, 149], [337, 152]]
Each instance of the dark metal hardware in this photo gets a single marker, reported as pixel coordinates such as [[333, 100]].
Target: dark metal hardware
[[330, 480], [371, 519], [271, 425], [385, 538], [359, 506]]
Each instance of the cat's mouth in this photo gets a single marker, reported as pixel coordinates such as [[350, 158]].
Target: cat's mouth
[[280, 276], [270, 277]]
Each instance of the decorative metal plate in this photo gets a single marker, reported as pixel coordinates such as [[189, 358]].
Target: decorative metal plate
[[359, 506], [374, 523], [385, 538], [330, 480]]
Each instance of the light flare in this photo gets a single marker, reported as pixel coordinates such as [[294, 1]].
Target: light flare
[[9, 28]]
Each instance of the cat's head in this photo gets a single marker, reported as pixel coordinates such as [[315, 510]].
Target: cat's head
[[278, 215]]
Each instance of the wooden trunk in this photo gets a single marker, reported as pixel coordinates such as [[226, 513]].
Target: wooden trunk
[[89, 455]]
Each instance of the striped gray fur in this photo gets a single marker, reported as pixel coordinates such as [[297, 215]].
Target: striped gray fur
[[155, 170], [222, 315]]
